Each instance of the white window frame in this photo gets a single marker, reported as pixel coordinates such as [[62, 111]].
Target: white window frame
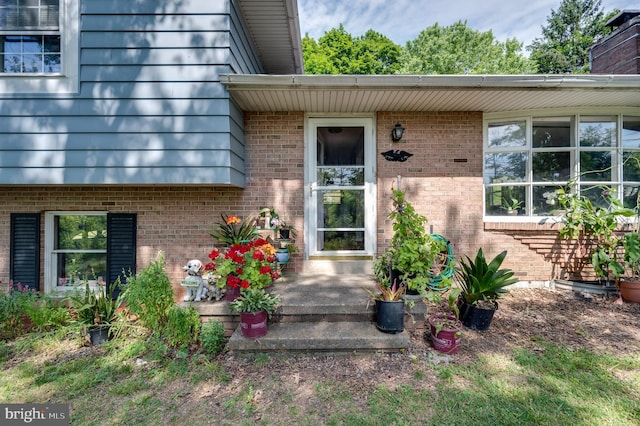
[[68, 79], [50, 264], [528, 117]]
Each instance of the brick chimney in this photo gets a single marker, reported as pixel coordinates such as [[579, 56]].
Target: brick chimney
[[619, 52]]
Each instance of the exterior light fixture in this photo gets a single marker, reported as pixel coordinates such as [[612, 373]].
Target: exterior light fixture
[[396, 132]]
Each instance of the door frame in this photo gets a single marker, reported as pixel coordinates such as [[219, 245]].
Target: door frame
[[311, 123]]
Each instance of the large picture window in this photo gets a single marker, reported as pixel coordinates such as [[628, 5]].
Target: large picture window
[[526, 160]]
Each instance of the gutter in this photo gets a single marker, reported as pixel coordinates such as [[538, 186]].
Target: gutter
[[400, 82]]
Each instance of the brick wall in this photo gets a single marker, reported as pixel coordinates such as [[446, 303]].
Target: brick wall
[[443, 180]]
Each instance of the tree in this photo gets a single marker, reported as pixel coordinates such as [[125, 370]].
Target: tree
[[564, 47], [338, 52], [457, 49]]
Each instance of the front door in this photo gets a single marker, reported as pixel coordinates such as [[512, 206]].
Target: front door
[[340, 186]]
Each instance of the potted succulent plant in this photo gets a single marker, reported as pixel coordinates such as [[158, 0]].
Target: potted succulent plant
[[255, 306], [482, 283], [389, 305]]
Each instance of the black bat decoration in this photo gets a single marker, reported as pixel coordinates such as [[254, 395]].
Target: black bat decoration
[[396, 155]]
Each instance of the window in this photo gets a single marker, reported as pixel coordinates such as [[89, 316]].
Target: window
[[39, 46], [35, 45], [527, 159], [79, 251], [89, 247]]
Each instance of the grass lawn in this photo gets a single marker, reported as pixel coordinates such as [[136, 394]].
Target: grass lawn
[[138, 380]]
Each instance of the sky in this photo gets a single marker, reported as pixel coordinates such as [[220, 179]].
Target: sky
[[403, 20]]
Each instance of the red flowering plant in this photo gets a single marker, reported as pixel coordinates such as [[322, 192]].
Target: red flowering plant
[[244, 265]]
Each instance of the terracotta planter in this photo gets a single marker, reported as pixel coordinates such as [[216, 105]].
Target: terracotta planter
[[232, 293], [630, 290], [253, 325], [390, 316], [447, 340]]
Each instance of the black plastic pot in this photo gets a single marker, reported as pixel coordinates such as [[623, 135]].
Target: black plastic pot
[[99, 335], [390, 316], [475, 317]]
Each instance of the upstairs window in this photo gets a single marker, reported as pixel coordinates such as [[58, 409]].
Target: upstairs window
[[30, 40], [39, 46]]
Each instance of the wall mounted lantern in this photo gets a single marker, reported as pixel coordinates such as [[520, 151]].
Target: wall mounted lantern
[[396, 132]]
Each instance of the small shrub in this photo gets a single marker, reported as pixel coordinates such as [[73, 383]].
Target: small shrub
[[183, 326], [212, 337], [13, 307], [149, 295], [48, 314]]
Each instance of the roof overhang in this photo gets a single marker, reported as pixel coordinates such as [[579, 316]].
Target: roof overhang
[[487, 93], [275, 29]]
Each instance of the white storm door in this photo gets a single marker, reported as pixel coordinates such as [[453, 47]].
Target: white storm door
[[340, 186]]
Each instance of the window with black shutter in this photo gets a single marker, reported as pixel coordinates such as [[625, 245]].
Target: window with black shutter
[[87, 247]]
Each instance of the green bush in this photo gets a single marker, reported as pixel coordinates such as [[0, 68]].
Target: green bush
[[183, 326], [13, 310], [48, 314], [149, 295], [212, 337]]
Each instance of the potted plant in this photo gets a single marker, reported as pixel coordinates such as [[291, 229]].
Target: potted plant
[[446, 328], [243, 266], [629, 286], [255, 306], [614, 251], [481, 283], [389, 306], [413, 251], [511, 205], [233, 230], [97, 309]]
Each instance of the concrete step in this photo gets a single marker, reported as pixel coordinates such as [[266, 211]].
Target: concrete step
[[321, 336], [337, 266]]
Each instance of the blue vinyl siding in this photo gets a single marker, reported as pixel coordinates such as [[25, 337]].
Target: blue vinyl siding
[[150, 108]]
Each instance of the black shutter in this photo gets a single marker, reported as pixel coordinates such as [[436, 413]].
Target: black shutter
[[25, 249], [121, 247]]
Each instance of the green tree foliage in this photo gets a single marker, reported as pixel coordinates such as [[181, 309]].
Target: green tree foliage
[[338, 52], [457, 49], [570, 30]]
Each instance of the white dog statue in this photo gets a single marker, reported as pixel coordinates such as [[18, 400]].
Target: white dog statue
[[194, 284]]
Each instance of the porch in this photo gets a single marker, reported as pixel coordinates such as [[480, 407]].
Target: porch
[[319, 312]]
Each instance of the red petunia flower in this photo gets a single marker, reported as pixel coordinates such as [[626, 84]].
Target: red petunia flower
[[244, 284], [210, 266], [214, 254]]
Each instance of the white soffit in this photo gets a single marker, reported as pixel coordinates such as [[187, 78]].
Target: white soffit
[[487, 93], [275, 29]]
